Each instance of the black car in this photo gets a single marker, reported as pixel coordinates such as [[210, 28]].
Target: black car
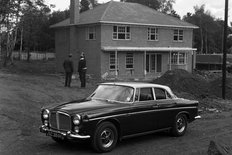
[[119, 110]]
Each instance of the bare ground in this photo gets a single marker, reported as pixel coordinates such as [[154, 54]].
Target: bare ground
[[24, 90]]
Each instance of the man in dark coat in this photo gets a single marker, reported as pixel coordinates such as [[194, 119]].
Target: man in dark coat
[[68, 67], [82, 70]]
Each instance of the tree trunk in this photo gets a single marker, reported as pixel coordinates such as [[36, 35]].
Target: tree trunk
[[21, 44], [202, 41], [206, 43]]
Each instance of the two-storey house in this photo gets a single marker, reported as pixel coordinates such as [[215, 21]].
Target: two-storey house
[[125, 40]]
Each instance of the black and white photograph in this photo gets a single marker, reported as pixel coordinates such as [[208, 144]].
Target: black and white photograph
[[116, 77]]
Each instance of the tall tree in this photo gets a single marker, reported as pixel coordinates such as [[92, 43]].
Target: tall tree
[[85, 5], [165, 6], [11, 14], [208, 38]]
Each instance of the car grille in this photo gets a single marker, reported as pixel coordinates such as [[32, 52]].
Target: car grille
[[60, 121]]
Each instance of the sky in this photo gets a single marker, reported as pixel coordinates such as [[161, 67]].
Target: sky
[[216, 7]]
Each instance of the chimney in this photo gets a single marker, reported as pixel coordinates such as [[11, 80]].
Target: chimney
[[74, 11]]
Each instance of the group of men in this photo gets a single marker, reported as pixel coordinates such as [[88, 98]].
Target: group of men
[[68, 67]]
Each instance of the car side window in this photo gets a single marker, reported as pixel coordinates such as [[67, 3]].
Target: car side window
[[137, 95], [168, 95], [160, 94], [146, 94]]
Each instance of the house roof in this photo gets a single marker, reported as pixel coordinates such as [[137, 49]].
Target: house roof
[[126, 13]]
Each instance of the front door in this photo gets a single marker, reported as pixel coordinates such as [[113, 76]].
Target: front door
[[153, 63]]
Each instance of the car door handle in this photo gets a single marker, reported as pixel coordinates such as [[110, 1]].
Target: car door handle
[[155, 106]]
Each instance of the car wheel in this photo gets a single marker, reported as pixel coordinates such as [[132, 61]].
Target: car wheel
[[180, 125], [105, 137]]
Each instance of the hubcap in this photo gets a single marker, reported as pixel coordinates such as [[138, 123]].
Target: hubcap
[[180, 124], [107, 138]]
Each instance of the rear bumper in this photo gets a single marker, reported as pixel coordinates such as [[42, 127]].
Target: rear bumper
[[68, 134], [198, 117]]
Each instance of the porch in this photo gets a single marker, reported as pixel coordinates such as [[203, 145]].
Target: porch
[[146, 62]]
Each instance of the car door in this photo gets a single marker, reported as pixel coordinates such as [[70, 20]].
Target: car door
[[141, 118], [166, 110]]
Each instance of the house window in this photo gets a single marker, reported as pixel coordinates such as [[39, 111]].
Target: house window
[[178, 58], [174, 58], [121, 32], [182, 58], [113, 61], [152, 34], [178, 35], [90, 33], [129, 60]]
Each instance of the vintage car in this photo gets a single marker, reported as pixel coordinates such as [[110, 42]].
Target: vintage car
[[119, 110]]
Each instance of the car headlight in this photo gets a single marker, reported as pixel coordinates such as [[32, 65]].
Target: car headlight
[[46, 122], [45, 114], [76, 119], [76, 129]]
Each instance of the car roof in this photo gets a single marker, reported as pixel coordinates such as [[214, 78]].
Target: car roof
[[137, 84]]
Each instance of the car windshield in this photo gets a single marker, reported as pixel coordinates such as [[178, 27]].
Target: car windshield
[[114, 93]]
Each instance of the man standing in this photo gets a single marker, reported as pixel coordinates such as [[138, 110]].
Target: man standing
[[82, 70], [68, 67]]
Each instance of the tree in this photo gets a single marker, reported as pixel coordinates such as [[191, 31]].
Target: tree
[[11, 15], [174, 14], [165, 6], [208, 38], [85, 5]]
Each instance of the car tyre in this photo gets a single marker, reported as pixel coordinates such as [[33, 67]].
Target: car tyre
[[179, 126], [105, 137]]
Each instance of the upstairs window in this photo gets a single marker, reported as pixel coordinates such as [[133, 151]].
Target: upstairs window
[[129, 60], [90, 33], [152, 34], [178, 35], [121, 32]]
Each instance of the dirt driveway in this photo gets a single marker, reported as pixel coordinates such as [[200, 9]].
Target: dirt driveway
[[22, 96]]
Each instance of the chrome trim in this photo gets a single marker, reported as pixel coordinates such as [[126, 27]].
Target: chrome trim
[[57, 113], [134, 113], [198, 117], [68, 134]]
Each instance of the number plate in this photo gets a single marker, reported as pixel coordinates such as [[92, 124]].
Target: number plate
[[54, 134]]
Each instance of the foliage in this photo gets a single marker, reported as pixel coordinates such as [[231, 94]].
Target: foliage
[[208, 38], [165, 6], [87, 4], [12, 11]]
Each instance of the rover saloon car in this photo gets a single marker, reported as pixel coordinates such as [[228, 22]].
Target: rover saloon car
[[115, 111]]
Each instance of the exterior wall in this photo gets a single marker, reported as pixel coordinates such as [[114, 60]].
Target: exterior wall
[[78, 44], [92, 49], [61, 46], [139, 38], [137, 72], [98, 61], [139, 66]]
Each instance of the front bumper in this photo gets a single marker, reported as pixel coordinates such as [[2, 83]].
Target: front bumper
[[68, 134], [198, 117]]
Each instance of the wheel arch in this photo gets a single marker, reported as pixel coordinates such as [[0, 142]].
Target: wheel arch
[[184, 113], [115, 122]]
